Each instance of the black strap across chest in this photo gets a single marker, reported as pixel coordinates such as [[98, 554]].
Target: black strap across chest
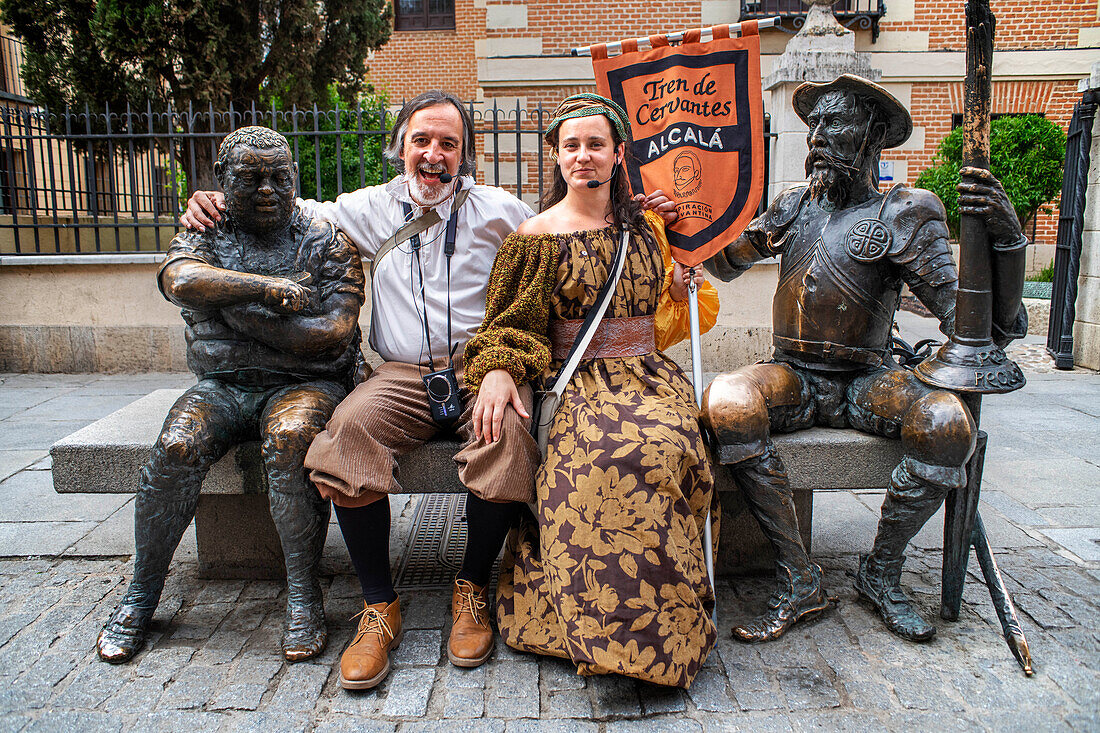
[[449, 238]]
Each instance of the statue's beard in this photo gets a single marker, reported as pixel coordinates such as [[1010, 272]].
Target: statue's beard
[[832, 182], [244, 216]]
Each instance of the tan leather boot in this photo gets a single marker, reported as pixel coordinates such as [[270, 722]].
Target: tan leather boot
[[471, 640], [366, 661]]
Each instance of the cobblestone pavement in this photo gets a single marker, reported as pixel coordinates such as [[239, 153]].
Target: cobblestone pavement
[[213, 661]]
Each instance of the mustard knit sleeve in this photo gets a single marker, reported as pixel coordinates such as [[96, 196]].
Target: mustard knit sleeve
[[673, 322], [517, 311]]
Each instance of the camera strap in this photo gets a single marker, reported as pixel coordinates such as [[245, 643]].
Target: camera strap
[[448, 250], [416, 226]]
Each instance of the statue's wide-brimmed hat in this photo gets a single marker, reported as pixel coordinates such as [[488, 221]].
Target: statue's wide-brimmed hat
[[899, 125]]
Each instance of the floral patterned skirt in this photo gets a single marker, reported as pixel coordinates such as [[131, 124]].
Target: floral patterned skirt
[[610, 573]]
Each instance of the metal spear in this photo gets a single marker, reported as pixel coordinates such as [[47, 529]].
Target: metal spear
[[697, 384], [1002, 601]]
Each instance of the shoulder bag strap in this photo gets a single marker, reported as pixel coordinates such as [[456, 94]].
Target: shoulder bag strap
[[593, 318], [413, 228]]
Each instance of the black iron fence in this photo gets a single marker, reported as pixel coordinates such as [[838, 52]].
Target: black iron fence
[[1067, 254], [116, 181]]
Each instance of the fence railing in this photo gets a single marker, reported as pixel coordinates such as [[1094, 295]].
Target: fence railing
[[856, 14], [116, 181], [1071, 214]]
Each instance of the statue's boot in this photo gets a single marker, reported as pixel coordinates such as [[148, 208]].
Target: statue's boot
[[799, 594], [795, 599], [160, 519], [879, 583], [302, 522], [909, 503]]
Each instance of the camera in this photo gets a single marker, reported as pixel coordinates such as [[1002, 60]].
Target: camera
[[443, 396]]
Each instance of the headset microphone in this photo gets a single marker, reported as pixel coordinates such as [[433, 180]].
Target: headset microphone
[[445, 177], [597, 184]]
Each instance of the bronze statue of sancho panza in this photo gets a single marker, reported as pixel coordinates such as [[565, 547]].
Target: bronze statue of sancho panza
[[846, 250], [271, 302]]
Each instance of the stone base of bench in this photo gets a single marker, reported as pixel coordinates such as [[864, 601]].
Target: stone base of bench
[[237, 539]]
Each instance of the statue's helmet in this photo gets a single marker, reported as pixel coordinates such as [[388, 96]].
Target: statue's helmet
[[899, 125]]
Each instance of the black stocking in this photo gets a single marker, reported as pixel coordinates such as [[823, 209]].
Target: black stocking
[[366, 531], [487, 524]]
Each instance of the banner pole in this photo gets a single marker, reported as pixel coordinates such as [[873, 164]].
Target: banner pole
[[697, 384], [643, 42]]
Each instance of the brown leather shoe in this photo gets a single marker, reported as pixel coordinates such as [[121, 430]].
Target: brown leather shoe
[[471, 640], [366, 661]]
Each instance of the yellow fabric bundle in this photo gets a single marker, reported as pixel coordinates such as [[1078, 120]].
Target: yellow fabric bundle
[[673, 317]]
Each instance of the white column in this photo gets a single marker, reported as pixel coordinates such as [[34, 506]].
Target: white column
[[1086, 327], [820, 52]]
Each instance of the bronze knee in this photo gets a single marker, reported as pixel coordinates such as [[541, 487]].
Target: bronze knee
[[939, 436], [735, 407]]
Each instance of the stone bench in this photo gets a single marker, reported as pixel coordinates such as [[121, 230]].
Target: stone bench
[[235, 534], [236, 537]]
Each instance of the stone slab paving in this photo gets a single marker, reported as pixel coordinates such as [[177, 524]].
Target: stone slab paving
[[213, 661]]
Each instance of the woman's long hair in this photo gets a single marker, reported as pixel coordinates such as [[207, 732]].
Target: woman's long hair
[[624, 209]]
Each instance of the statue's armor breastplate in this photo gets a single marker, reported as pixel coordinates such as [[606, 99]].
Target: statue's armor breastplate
[[838, 291]]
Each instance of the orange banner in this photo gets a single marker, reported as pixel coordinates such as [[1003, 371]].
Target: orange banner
[[697, 125]]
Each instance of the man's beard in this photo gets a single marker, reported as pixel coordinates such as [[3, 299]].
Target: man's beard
[[428, 195], [833, 182]]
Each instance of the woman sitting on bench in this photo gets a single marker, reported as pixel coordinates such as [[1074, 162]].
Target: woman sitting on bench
[[609, 572]]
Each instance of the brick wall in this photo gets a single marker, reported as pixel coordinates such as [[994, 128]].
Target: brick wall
[[414, 61], [566, 24], [1021, 24]]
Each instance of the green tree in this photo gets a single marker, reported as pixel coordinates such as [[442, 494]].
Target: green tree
[[359, 154], [199, 52], [1026, 154]]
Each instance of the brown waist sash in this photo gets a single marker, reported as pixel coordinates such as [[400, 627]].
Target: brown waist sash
[[614, 337]]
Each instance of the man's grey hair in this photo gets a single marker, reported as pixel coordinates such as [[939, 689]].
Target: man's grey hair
[[432, 98], [254, 136]]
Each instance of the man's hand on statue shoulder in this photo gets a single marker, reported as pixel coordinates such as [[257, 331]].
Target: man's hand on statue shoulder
[[981, 194], [659, 203], [204, 209]]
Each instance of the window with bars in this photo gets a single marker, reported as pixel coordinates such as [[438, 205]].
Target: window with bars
[[424, 15], [99, 179], [13, 181]]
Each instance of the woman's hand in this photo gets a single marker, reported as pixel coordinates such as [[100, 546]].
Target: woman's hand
[[659, 204], [498, 390], [681, 278]]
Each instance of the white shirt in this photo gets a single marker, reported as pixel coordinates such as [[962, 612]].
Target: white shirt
[[371, 215]]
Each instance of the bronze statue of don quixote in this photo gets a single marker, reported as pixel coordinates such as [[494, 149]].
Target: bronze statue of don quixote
[[845, 251]]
